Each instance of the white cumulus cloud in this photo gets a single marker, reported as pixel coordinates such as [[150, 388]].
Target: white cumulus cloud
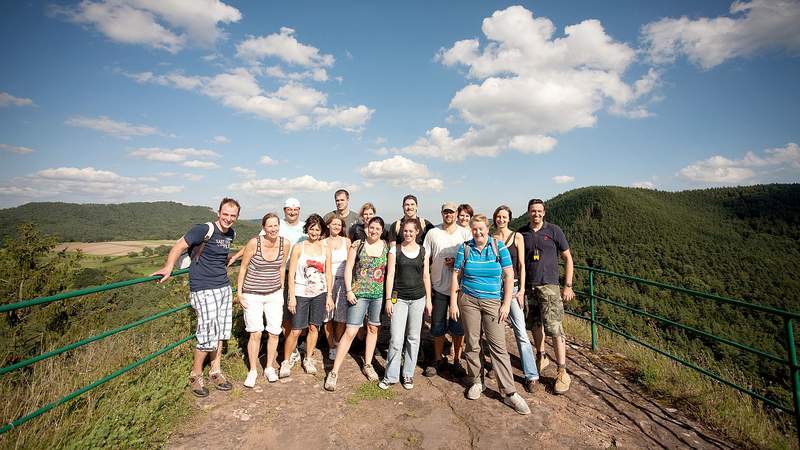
[[16, 149], [168, 25], [221, 139], [401, 171], [280, 187], [529, 84], [563, 179], [247, 173], [751, 168], [7, 99], [173, 155], [267, 161], [197, 164], [103, 124], [709, 41], [285, 46]]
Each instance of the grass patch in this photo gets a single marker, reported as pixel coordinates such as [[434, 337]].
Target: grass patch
[[369, 391], [736, 415]]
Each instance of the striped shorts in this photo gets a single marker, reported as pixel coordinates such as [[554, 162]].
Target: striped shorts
[[214, 310]]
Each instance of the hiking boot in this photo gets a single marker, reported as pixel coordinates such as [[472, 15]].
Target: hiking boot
[[271, 375], [542, 361], [563, 380], [475, 390], [286, 368], [219, 381], [385, 385], [197, 385], [309, 367], [250, 381], [530, 385], [408, 383], [330, 382], [518, 403], [370, 373]]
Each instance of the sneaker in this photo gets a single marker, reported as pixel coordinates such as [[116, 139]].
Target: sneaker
[[309, 367], [250, 381], [518, 403], [542, 361], [563, 380], [294, 358], [370, 373], [332, 354], [219, 381], [286, 368], [197, 385], [475, 390], [330, 382], [408, 383], [530, 385], [271, 375], [385, 385]]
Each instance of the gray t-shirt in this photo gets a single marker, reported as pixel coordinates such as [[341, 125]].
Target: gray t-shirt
[[349, 220]]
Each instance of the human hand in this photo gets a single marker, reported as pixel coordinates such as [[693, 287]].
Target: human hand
[[502, 314], [567, 293], [389, 308], [165, 272], [454, 312], [292, 305], [428, 307], [520, 297], [351, 298]]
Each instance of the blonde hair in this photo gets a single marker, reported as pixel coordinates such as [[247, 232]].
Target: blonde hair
[[365, 207], [479, 218]]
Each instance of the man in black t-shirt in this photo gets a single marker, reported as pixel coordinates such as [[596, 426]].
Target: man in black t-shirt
[[545, 243], [393, 234], [209, 291]]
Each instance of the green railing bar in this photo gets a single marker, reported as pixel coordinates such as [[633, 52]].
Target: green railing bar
[[690, 329], [97, 383], [793, 375], [80, 292], [89, 340], [593, 309], [690, 365], [707, 296]]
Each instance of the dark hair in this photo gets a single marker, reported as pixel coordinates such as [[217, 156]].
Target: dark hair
[[415, 222], [315, 219], [535, 201], [342, 191], [377, 219], [333, 217], [410, 197], [497, 211], [268, 216], [228, 200], [467, 208]]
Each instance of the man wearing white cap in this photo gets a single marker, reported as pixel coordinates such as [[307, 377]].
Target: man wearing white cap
[[292, 230]]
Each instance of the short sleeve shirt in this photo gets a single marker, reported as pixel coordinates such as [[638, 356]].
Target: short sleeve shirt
[[548, 243], [483, 271], [210, 271], [440, 244], [349, 220], [292, 233]]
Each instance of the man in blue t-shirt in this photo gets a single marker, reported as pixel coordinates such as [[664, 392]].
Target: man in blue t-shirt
[[545, 243], [209, 291]]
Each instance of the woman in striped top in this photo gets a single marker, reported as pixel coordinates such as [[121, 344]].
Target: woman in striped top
[[260, 292]]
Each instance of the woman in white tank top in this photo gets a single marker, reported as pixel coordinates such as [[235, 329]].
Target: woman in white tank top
[[336, 320]]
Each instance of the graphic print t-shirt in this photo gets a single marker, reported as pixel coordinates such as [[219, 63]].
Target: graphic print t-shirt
[[210, 271]]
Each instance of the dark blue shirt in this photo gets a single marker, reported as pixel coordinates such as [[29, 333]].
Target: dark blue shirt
[[548, 243], [210, 271]]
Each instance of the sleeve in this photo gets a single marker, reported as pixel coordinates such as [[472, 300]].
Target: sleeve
[[459, 259], [393, 250], [561, 240], [505, 255], [426, 244], [196, 234]]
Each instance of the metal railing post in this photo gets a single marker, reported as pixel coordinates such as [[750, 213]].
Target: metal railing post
[[793, 371], [592, 306]]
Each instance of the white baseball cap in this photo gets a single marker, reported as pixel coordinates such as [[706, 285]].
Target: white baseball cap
[[291, 202]]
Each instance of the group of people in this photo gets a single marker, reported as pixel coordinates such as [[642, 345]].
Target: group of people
[[339, 273]]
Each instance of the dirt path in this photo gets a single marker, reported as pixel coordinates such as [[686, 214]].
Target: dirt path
[[599, 411]]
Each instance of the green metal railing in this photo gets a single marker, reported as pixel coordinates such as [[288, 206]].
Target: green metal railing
[[78, 293], [788, 317]]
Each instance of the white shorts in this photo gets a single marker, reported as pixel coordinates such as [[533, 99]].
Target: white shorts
[[260, 307]]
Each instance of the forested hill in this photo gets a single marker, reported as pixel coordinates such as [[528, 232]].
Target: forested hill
[[112, 222], [742, 242]]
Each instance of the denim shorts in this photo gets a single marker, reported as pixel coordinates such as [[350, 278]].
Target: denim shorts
[[440, 320], [370, 307]]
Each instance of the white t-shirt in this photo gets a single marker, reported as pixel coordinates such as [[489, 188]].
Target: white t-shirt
[[440, 244], [292, 233]]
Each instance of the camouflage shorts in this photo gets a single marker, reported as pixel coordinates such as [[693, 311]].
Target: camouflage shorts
[[546, 308]]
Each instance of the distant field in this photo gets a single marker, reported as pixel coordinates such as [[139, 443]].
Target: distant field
[[113, 248]]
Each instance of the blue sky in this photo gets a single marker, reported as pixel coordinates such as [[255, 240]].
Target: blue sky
[[110, 101]]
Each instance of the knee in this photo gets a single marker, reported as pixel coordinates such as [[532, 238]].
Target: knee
[[296, 333], [255, 336], [372, 329], [312, 328]]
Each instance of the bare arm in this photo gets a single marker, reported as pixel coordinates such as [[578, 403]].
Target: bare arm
[[286, 254], [454, 285], [348, 272], [390, 273], [426, 281], [567, 293], [178, 248], [329, 305], [237, 255], [249, 250], [508, 288], [519, 242], [292, 301]]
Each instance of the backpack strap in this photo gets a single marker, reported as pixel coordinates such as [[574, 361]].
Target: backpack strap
[[199, 249], [495, 250], [359, 248]]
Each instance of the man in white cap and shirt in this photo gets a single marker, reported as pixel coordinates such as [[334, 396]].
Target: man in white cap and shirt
[[292, 230]]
